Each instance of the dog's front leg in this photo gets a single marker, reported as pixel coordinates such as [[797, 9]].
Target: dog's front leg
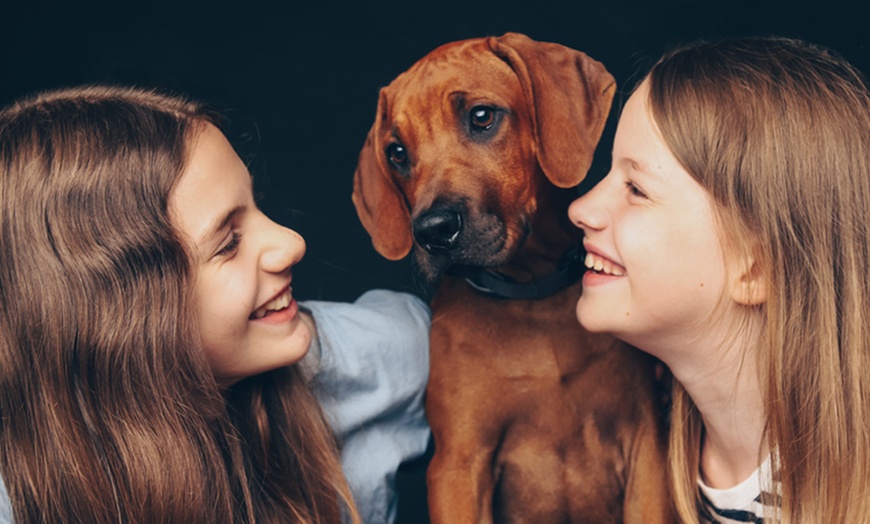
[[460, 478], [460, 489]]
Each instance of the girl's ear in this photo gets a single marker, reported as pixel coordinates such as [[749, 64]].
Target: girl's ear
[[748, 284]]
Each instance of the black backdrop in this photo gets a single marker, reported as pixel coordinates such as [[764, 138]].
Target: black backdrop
[[301, 79]]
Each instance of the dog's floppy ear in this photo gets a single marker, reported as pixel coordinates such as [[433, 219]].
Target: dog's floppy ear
[[378, 201], [569, 96]]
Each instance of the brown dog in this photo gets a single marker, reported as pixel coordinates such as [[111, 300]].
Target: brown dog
[[534, 419]]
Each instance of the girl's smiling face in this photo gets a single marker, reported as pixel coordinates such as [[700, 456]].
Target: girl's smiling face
[[658, 270], [242, 260]]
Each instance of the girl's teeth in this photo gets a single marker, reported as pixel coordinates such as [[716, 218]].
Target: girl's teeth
[[277, 304], [602, 265]]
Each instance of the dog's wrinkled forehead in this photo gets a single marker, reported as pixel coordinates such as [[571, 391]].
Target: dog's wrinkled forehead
[[467, 68]]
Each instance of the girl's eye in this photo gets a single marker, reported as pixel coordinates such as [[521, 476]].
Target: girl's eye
[[634, 190], [231, 247]]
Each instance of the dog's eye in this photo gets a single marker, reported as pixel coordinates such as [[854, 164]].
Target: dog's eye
[[482, 118], [397, 155]]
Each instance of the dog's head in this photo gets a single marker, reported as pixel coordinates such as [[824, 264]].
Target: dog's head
[[454, 160]]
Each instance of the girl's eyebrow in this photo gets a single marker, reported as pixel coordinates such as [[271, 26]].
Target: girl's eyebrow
[[642, 167], [217, 225], [634, 164]]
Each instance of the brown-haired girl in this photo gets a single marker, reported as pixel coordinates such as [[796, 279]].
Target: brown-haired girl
[[149, 332], [731, 239]]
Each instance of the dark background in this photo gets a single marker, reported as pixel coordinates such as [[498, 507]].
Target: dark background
[[299, 82], [301, 79]]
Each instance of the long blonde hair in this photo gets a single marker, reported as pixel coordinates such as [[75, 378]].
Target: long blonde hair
[[778, 131], [109, 410]]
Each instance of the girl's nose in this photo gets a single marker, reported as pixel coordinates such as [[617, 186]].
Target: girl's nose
[[282, 247], [588, 211]]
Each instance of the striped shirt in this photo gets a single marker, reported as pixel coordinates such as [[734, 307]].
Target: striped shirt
[[741, 503]]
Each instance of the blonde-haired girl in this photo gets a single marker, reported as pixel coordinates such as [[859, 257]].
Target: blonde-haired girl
[[731, 239]]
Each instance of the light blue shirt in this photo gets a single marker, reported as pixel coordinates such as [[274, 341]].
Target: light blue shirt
[[5, 505], [370, 378], [368, 366]]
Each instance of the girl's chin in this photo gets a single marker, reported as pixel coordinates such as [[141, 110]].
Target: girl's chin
[[594, 318]]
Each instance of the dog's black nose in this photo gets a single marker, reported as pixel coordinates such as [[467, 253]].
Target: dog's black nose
[[437, 231]]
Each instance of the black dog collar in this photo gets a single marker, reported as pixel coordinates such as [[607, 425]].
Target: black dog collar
[[497, 285]]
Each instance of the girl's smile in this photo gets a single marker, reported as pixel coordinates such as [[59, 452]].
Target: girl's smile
[[601, 270], [282, 304]]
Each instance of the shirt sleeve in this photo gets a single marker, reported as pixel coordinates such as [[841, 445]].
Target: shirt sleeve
[[5, 505], [369, 373]]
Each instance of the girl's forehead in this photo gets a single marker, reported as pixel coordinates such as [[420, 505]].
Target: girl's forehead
[[213, 184], [638, 141]]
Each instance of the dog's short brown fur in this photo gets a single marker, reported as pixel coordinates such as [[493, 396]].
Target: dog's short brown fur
[[534, 419]]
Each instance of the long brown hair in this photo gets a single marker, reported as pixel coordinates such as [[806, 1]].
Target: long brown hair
[[778, 131], [109, 410]]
